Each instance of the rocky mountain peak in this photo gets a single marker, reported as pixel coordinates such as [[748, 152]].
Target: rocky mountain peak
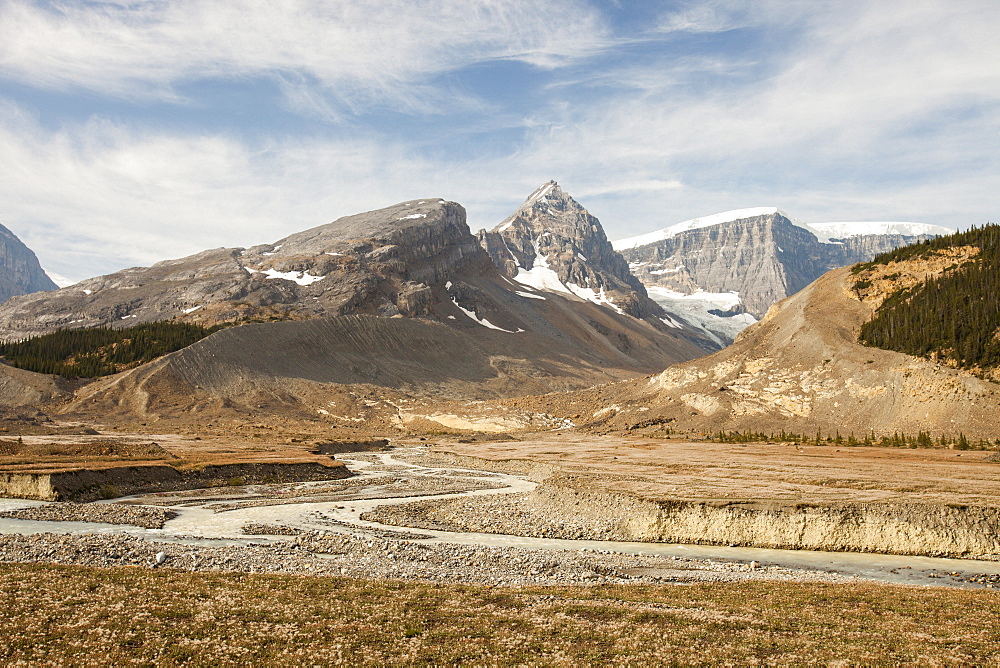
[[553, 243], [20, 272], [381, 262]]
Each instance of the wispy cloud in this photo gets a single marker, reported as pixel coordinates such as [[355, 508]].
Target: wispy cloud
[[884, 97], [356, 51]]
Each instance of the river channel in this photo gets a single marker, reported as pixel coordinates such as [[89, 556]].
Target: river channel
[[219, 517]]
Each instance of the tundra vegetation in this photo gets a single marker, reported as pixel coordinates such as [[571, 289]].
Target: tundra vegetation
[[68, 615]]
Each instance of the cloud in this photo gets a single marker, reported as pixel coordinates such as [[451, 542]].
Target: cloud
[[715, 16], [98, 196], [355, 52], [867, 103]]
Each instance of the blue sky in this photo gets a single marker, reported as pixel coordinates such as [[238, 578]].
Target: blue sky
[[138, 130]]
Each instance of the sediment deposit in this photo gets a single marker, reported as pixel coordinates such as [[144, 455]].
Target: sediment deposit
[[87, 484]]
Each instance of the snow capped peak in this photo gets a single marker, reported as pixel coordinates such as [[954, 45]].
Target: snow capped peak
[[824, 232], [698, 223], [843, 230]]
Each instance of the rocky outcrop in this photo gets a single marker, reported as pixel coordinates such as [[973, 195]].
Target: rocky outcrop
[[891, 528], [801, 369], [87, 484], [20, 272]]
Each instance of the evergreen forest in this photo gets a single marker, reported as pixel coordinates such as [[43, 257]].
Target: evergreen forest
[[954, 317], [100, 351]]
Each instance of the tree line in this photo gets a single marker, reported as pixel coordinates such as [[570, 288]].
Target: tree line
[[922, 439], [955, 316], [100, 351]]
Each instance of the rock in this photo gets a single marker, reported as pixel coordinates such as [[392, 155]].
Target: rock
[[764, 256], [20, 272]]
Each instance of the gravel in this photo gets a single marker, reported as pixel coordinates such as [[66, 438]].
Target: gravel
[[374, 557], [148, 517], [509, 514]]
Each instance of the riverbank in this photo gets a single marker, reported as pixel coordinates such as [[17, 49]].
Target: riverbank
[[785, 496]]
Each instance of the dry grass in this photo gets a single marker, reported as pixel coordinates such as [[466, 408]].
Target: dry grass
[[74, 616]]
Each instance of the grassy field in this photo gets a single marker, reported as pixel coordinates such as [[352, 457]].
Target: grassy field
[[76, 616]]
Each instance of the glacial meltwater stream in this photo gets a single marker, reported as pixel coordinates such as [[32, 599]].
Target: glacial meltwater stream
[[218, 517]]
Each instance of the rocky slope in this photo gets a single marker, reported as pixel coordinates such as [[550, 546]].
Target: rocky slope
[[403, 298], [801, 369], [760, 254], [379, 263], [20, 272]]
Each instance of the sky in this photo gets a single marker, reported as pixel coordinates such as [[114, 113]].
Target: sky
[[133, 131]]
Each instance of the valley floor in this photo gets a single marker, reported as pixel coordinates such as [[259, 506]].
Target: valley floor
[[415, 559]]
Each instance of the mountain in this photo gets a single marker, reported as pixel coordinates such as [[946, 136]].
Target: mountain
[[403, 298], [729, 268], [552, 243], [20, 272]]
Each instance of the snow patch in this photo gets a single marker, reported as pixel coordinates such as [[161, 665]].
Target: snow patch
[[591, 295], [824, 232], [59, 280], [696, 224], [332, 253], [542, 277], [192, 309], [541, 192], [482, 321], [300, 277], [88, 292], [528, 295], [413, 216]]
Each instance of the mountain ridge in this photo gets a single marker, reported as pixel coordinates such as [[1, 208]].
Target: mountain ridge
[[760, 257]]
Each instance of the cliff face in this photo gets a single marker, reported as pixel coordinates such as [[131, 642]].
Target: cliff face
[[20, 272], [764, 258]]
